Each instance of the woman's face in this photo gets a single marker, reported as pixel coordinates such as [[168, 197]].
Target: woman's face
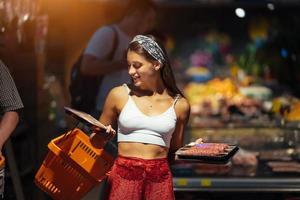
[[141, 70]]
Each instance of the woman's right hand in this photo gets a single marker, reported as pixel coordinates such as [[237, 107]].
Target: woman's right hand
[[110, 130]]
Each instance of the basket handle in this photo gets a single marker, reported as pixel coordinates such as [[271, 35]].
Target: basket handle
[[67, 133]]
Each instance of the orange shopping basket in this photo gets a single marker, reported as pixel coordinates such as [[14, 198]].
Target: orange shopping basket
[[2, 177], [72, 167]]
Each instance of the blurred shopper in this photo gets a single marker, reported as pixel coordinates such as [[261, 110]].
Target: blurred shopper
[[139, 18], [151, 114], [10, 103]]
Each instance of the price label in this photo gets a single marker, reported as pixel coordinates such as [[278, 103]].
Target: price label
[[205, 182], [182, 182]]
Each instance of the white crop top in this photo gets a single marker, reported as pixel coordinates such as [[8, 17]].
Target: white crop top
[[135, 126]]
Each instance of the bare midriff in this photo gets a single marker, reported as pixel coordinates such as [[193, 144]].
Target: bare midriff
[[142, 150]]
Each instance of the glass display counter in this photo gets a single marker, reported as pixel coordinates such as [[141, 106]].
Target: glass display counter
[[268, 161]]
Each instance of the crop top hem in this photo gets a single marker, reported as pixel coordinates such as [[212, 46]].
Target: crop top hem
[[148, 139]]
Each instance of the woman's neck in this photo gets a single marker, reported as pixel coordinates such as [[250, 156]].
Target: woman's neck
[[151, 90]]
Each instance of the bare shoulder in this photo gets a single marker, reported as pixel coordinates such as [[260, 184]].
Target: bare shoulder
[[118, 96], [182, 108], [118, 92]]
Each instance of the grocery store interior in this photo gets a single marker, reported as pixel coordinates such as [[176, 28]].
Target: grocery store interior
[[236, 61]]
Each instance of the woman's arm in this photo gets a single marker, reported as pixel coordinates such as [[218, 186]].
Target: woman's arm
[[109, 115], [113, 105], [182, 108]]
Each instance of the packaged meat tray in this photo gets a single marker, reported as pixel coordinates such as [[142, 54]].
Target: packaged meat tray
[[207, 152], [284, 167]]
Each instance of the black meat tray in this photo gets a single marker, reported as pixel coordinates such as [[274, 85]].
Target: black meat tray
[[218, 159]]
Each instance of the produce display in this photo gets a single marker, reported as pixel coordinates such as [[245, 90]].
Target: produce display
[[294, 113], [219, 101], [226, 87]]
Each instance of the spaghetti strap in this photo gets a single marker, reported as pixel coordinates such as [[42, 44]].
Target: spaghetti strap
[[176, 99], [127, 88]]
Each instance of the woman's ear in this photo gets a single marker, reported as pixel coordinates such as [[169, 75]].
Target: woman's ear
[[157, 66]]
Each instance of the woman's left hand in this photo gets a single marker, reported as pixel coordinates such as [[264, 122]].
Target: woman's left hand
[[199, 141]]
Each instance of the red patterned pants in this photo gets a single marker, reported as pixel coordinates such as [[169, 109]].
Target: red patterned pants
[[138, 179]]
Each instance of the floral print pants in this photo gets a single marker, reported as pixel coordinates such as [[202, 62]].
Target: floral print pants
[[140, 179]]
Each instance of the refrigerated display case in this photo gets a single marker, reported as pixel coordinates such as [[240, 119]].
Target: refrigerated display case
[[268, 161]]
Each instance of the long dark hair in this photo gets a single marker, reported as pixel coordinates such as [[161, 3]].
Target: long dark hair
[[166, 71]]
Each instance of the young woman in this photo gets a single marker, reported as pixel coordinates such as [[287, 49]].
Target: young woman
[[151, 114]]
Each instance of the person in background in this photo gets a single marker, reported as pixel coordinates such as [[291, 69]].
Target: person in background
[[10, 104], [139, 18], [151, 114]]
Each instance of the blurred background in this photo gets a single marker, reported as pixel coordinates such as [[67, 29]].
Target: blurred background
[[237, 61]]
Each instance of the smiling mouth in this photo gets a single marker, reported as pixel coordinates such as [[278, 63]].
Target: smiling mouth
[[135, 78]]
